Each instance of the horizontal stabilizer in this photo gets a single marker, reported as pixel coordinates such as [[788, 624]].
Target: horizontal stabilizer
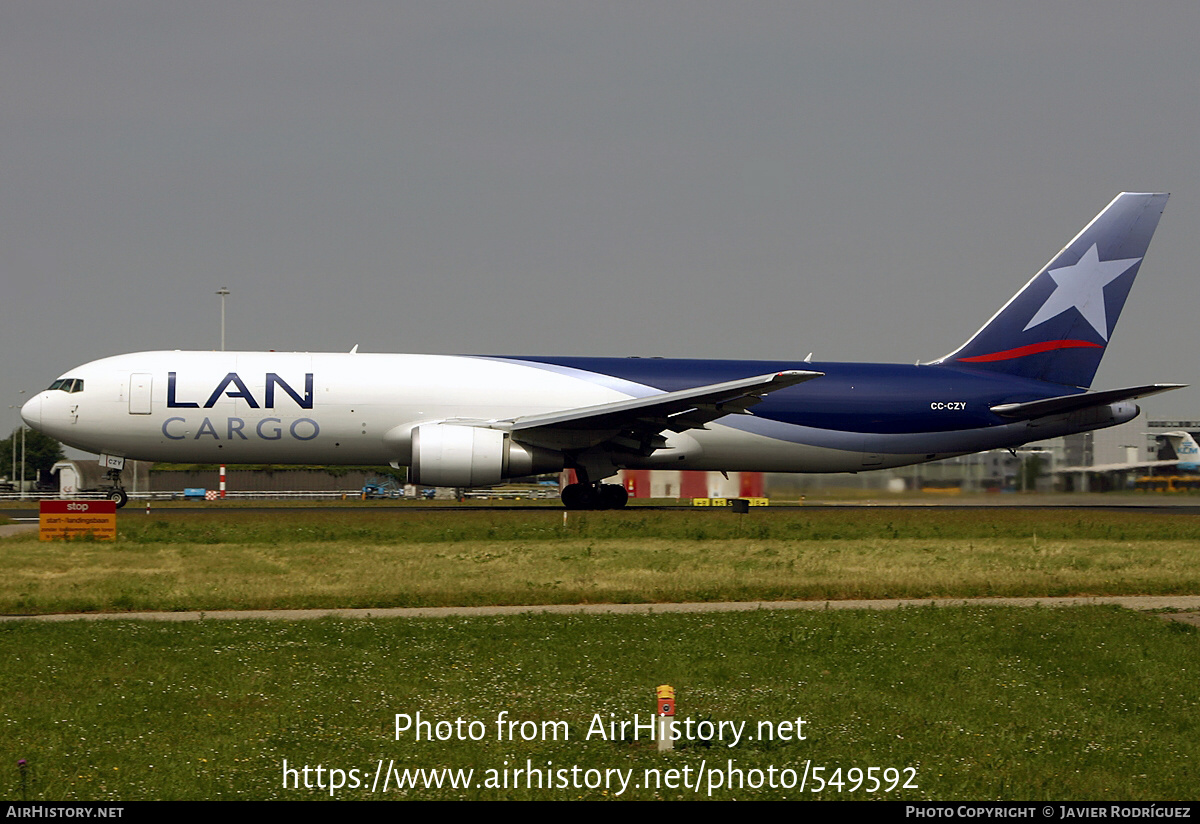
[[1084, 400]]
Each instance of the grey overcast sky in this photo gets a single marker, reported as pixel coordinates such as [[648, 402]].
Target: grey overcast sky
[[867, 181]]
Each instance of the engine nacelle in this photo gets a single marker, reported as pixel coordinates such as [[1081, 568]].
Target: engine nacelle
[[454, 455]]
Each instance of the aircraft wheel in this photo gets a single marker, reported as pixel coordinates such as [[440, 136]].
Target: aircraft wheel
[[119, 496], [613, 496], [578, 496]]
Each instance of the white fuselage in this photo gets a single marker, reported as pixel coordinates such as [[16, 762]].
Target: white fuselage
[[351, 408], [183, 406]]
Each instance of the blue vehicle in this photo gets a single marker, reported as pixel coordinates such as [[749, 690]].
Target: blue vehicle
[[381, 487]]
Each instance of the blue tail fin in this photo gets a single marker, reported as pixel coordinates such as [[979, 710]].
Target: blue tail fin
[[1057, 327]]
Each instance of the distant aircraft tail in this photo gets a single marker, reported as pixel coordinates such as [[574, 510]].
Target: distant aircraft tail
[[1184, 447], [1057, 327]]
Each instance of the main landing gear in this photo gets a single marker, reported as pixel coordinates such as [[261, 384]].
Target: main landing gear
[[594, 496], [117, 493]]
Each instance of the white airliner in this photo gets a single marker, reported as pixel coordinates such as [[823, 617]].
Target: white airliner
[[458, 420], [1181, 445]]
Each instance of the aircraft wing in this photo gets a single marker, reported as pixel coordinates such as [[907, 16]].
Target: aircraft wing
[[1118, 467], [638, 424], [1084, 400]]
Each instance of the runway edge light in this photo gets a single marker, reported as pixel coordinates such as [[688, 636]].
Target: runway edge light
[[666, 717]]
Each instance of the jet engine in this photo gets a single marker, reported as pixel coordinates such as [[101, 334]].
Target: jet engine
[[456, 455]]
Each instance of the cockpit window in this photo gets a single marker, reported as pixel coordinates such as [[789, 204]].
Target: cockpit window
[[67, 385]]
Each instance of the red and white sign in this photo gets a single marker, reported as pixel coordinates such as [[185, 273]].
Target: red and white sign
[[74, 519]]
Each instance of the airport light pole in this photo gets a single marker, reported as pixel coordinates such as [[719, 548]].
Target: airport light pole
[[20, 482], [223, 292]]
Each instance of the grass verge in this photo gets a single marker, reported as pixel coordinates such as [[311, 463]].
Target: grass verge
[[981, 703], [238, 560]]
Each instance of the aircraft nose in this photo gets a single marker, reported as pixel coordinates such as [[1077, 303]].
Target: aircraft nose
[[31, 412]]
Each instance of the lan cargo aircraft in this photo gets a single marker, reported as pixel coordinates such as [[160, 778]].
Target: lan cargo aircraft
[[476, 420]]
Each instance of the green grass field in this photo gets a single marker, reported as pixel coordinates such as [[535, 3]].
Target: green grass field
[[241, 560], [980, 703], [1083, 703]]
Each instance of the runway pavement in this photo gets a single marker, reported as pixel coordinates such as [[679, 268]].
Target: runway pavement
[[1136, 602]]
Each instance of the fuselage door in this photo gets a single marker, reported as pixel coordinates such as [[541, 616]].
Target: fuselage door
[[140, 386]]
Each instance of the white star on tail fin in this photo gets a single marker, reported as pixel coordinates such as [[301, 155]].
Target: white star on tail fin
[[1082, 286]]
